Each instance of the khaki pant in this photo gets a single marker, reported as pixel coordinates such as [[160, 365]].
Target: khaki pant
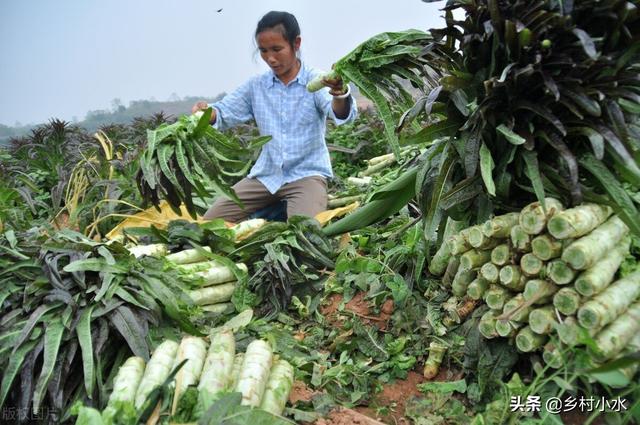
[[307, 196]]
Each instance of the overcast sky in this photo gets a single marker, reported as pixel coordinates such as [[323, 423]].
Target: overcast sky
[[64, 58]]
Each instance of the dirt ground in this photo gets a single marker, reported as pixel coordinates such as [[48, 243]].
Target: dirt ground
[[359, 306]]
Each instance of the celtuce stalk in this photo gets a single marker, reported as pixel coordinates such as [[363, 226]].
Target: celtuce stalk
[[545, 247], [527, 340], [500, 226], [126, 382], [487, 324], [193, 350], [578, 221], [152, 250], [157, 370], [609, 304], [217, 275], [552, 356], [534, 217], [376, 168], [586, 251], [520, 240], [540, 291], [341, 202], [490, 272], [361, 182], [496, 296], [613, 338], [212, 294], [217, 370], [511, 278], [477, 239], [461, 281], [440, 260], [474, 258], [500, 255], [278, 388], [560, 272], [188, 256], [450, 272], [218, 308], [201, 266], [434, 360], [507, 328], [458, 244], [542, 320], [237, 367], [567, 301], [514, 309], [477, 287], [245, 228], [571, 333], [531, 265], [596, 278], [255, 370]]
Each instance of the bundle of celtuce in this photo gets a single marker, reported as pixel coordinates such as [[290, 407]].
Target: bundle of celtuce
[[546, 271], [183, 380], [190, 155]]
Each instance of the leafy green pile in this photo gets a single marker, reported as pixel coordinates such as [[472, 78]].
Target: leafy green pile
[[190, 155]]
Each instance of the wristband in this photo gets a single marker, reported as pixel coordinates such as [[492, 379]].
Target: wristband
[[344, 95]]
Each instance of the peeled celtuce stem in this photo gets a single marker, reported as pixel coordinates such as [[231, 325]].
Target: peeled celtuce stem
[[216, 275], [609, 304], [235, 372], [531, 265], [578, 221], [126, 381], [545, 247], [218, 308], [542, 320], [487, 324], [613, 338], [153, 250], [539, 291], [500, 226], [278, 388], [596, 278], [496, 296], [560, 272], [193, 350], [474, 258], [257, 363], [586, 251], [500, 255], [490, 272], [527, 340], [534, 217], [520, 239], [246, 228], [436, 354], [567, 301], [212, 294], [157, 370], [217, 370], [188, 256]]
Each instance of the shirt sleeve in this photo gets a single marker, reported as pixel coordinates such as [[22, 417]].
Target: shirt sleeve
[[235, 108], [323, 102]]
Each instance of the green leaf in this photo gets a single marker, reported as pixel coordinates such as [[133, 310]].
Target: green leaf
[[83, 329], [511, 136], [533, 172], [126, 323], [94, 265], [15, 362], [587, 43], [52, 338], [595, 138], [444, 387], [486, 168]]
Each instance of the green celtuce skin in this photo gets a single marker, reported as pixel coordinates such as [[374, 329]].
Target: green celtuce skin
[[487, 324], [255, 370], [218, 308], [507, 328], [510, 277], [610, 303], [126, 381], [586, 251], [235, 372], [567, 301], [596, 278], [217, 369], [490, 272], [212, 294], [520, 240], [571, 333], [514, 311], [461, 281], [474, 258], [376, 168], [533, 217], [477, 287], [496, 296], [531, 265], [560, 272], [578, 221], [552, 356], [440, 260], [278, 388], [500, 226], [545, 247], [501, 254], [219, 274], [450, 272], [539, 291], [152, 250], [193, 350], [543, 320], [613, 338], [527, 340], [157, 370], [458, 244], [434, 360], [247, 227], [316, 83], [477, 239], [188, 256]]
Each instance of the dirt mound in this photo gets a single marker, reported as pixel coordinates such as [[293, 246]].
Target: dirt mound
[[359, 306]]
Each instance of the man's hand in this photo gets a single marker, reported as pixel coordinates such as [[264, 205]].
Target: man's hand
[[201, 106]]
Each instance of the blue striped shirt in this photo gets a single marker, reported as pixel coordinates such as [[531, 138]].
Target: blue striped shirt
[[296, 120]]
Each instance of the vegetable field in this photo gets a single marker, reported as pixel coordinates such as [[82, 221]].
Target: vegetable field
[[480, 257]]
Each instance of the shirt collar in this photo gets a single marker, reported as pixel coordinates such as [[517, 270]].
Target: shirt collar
[[302, 77]]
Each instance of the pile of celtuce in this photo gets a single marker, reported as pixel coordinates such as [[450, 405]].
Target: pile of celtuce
[[549, 277], [207, 371]]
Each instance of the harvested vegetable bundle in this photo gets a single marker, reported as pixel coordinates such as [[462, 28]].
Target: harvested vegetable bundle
[[190, 155]]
